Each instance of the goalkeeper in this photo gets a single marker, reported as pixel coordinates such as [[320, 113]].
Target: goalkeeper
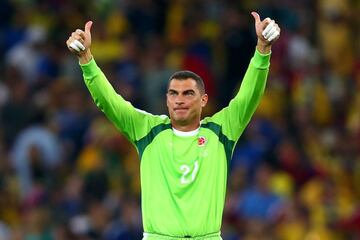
[[183, 160]]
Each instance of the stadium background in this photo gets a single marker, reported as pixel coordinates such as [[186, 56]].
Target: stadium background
[[65, 173]]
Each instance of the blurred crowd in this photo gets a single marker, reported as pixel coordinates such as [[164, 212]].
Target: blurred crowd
[[65, 171]]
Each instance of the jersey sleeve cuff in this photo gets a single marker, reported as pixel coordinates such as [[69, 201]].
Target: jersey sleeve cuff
[[260, 60], [90, 69]]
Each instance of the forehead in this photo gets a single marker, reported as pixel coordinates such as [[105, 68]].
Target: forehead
[[183, 84]]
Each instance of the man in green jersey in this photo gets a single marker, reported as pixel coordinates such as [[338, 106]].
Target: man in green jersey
[[184, 160]]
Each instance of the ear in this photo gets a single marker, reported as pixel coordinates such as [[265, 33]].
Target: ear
[[204, 100]]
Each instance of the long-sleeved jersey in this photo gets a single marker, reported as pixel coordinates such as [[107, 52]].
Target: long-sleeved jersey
[[183, 174]]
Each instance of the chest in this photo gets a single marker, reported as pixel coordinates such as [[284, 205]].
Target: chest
[[184, 162], [178, 155]]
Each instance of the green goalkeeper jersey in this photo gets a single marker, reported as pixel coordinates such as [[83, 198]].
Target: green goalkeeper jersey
[[183, 174]]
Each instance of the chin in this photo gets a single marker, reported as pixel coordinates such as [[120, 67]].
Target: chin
[[177, 116], [180, 120]]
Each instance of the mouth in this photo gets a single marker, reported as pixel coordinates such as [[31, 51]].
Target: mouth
[[180, 109]]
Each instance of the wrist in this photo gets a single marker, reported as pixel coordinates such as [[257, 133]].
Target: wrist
[[85, 56], [263, 47]]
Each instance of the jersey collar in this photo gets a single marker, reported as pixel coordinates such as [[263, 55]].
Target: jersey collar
[[186, 134]]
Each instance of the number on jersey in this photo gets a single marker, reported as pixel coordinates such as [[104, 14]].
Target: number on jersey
[[188, 176]]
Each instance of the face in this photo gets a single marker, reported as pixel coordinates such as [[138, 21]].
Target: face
[[185, 102]]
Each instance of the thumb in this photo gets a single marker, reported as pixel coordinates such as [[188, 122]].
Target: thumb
[[88, 27], [256, 17]]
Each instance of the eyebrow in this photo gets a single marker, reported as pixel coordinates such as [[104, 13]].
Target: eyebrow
[[184, 92], [189, 91]]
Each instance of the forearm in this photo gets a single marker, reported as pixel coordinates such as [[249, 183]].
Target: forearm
[[252, 86], [102, 92]]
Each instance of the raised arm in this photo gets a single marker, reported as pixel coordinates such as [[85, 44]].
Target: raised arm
[[134, 124], [235, 117]]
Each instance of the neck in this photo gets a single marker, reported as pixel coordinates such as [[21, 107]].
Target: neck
[[187, 127]]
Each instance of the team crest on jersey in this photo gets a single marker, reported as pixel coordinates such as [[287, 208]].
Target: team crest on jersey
[[201, 141]]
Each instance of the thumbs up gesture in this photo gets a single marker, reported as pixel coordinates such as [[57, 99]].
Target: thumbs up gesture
[[267, 32], [79, 42]]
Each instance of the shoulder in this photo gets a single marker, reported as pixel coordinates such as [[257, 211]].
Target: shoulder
[[218, 117], [154, 118]]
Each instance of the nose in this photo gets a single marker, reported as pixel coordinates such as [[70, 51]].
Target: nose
[[179, 100], [179, 103]]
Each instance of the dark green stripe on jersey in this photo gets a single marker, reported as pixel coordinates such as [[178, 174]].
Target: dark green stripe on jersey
[[228, 144], [145, 141]]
